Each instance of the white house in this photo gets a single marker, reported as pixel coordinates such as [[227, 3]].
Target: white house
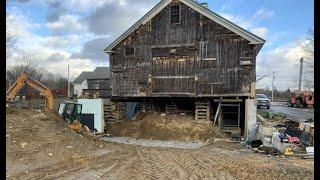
[[81, 82]]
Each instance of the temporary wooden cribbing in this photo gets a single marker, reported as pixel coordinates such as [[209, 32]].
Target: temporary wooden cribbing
[[202, 111], [171, 108], [114, 112], [146, 107]]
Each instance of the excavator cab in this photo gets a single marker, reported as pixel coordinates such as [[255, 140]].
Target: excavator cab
[[70, 111]]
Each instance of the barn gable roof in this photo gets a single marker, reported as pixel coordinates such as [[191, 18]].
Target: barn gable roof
[[252, 38]]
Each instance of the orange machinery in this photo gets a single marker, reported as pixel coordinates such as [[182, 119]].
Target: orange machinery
[[24, 79], [304, 98]]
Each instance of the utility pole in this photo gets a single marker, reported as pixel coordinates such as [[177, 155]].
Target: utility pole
[[68, 83], [300, 74], [272, 86]]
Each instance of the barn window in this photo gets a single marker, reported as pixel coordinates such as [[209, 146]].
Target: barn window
[[208, 52], [175, 14], [129, 50]]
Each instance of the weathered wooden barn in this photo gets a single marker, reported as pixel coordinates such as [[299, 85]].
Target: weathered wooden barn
[[184, 54]]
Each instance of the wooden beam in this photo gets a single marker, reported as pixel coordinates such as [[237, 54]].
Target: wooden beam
[[215, 117], [228, 100], [172, 77]]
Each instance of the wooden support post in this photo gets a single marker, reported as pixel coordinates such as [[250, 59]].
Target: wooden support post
[[217, 113]]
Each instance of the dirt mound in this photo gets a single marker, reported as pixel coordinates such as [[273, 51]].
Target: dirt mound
[[169, 127]]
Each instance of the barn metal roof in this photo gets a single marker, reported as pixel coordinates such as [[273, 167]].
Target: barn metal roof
[[252, 38]]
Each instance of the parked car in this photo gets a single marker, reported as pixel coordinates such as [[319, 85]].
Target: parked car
[[263, 101]]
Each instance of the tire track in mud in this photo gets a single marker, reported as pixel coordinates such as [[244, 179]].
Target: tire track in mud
[[250, 167], [226, 165], [123, 169], [195, 168], [72, 166], [176, 165], [150, 168]]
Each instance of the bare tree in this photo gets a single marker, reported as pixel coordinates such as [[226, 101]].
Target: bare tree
[[308, 63], [309, 47], [25, 64]]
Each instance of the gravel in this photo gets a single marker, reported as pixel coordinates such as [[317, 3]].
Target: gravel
[[155, 143]]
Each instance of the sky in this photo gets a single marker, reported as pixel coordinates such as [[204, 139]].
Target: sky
[[75, 32]]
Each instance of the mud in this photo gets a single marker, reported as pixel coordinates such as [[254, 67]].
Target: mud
[[75, 156], [169, 127]]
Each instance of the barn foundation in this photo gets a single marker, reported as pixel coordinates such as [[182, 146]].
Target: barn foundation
[[233, 115]]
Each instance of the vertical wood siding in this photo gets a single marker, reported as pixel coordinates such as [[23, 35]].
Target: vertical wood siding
[[195, 57]]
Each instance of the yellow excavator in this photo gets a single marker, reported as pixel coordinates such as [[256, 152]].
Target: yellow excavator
[[24, 79]]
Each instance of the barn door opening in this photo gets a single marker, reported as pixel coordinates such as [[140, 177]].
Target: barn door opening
[[230, 118]]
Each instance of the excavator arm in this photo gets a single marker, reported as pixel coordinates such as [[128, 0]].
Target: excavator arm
[[21, 81]]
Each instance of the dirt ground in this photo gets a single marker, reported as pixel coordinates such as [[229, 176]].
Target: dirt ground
[[41, 147], [169, 127]]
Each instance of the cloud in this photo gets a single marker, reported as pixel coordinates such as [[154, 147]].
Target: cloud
[[282, 60], [61, 41], [55, 10], [51, 52], [263, 13], [66, 24], [239, 20], [57, 56], [116, 16], [260, 31], [93, 50], [19, 24], [248, 24]]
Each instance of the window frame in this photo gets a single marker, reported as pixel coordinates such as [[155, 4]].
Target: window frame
[[205, 56], [125, 51], [175, 5]]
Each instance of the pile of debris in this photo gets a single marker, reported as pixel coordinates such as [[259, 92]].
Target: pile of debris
[[285, 137]]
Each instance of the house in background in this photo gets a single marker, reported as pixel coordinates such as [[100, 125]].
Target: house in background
[[95, 82]]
